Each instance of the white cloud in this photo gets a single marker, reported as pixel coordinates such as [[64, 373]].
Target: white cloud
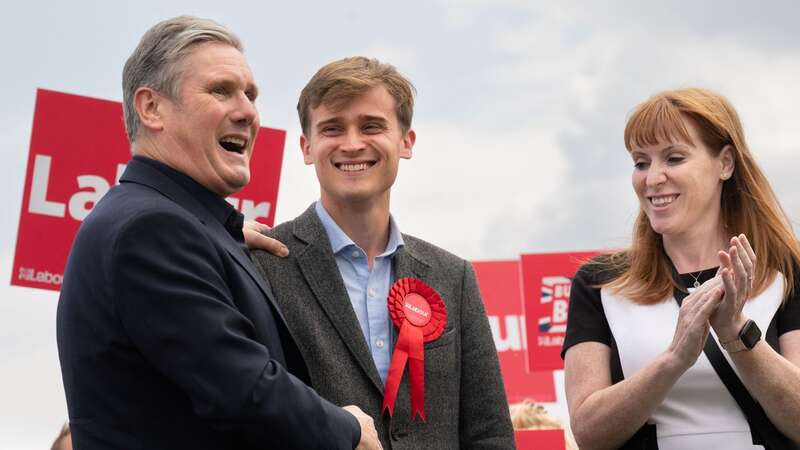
[[591, 80], [459, 178], [406, 59]]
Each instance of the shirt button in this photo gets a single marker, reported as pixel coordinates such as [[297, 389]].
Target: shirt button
[[356, 253], [379, 343], [372, 292]]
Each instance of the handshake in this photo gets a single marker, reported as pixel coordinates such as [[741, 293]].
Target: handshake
[[369, 437]]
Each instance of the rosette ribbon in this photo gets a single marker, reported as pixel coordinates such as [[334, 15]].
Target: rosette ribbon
[[420, 315]]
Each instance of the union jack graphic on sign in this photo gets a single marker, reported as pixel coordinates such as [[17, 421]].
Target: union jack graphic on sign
[[546, 285], [554, 290]]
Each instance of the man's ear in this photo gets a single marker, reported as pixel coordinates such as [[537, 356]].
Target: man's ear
[[408, 144], [728, 162], [150, 108], [305, 148]]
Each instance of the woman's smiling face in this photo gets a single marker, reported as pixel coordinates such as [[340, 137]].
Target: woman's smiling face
[[679, 184]]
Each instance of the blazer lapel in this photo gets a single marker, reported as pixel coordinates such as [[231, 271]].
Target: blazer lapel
[[141, 173], [407, 264], [247, 264], [318, 265]]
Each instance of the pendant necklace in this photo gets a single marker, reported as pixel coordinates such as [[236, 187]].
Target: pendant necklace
[[696, 279]]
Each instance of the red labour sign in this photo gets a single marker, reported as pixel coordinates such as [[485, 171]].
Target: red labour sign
[[78, 151], [499, 283]]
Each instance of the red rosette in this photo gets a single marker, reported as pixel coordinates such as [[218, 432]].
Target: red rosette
[[420, 314]]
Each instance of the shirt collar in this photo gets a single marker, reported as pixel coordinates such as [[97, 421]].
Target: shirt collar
[[339, 240], [219, 208]]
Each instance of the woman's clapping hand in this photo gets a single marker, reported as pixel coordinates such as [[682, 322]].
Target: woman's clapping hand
[[693, 325]]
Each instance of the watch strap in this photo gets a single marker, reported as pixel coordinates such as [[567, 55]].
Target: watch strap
[[734, 346], [748, 337]]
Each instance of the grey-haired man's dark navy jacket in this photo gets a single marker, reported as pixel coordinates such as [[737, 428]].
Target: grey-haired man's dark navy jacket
[[168, 337]]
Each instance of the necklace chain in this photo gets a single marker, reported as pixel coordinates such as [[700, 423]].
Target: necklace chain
[[696, 279]]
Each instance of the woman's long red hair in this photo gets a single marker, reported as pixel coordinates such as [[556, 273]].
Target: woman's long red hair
[[749, 205]]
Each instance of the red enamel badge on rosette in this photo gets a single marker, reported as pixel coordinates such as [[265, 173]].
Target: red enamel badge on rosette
[[420, 315]]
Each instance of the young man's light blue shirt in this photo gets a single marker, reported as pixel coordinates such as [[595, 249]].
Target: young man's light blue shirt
[[367, 289]]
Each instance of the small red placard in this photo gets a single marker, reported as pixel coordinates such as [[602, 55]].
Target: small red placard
[[540, 440], [499, 282], [546, 284]]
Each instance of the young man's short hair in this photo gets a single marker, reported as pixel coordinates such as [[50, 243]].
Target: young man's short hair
[[338, 83]]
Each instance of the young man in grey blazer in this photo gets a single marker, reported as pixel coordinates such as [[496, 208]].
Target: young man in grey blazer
[[346, 250]]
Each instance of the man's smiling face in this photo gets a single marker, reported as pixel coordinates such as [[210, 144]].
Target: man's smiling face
[[214, 122], [356, 149]]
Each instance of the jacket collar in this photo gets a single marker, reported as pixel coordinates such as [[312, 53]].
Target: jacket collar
[[150, 175]]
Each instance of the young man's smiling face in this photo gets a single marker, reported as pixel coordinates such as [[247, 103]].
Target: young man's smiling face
[[356, 149]]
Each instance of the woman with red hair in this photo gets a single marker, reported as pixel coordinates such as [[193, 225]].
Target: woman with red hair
[[690, 338]]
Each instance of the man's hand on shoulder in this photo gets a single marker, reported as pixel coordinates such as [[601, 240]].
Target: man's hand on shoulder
[[369, 437], [254, 237]]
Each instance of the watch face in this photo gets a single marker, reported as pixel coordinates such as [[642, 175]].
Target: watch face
[[750, 334]]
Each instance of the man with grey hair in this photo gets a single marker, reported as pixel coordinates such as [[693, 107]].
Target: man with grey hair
[[167, 336]]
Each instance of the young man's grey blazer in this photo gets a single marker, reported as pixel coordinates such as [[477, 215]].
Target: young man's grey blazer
[[465, 400]]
